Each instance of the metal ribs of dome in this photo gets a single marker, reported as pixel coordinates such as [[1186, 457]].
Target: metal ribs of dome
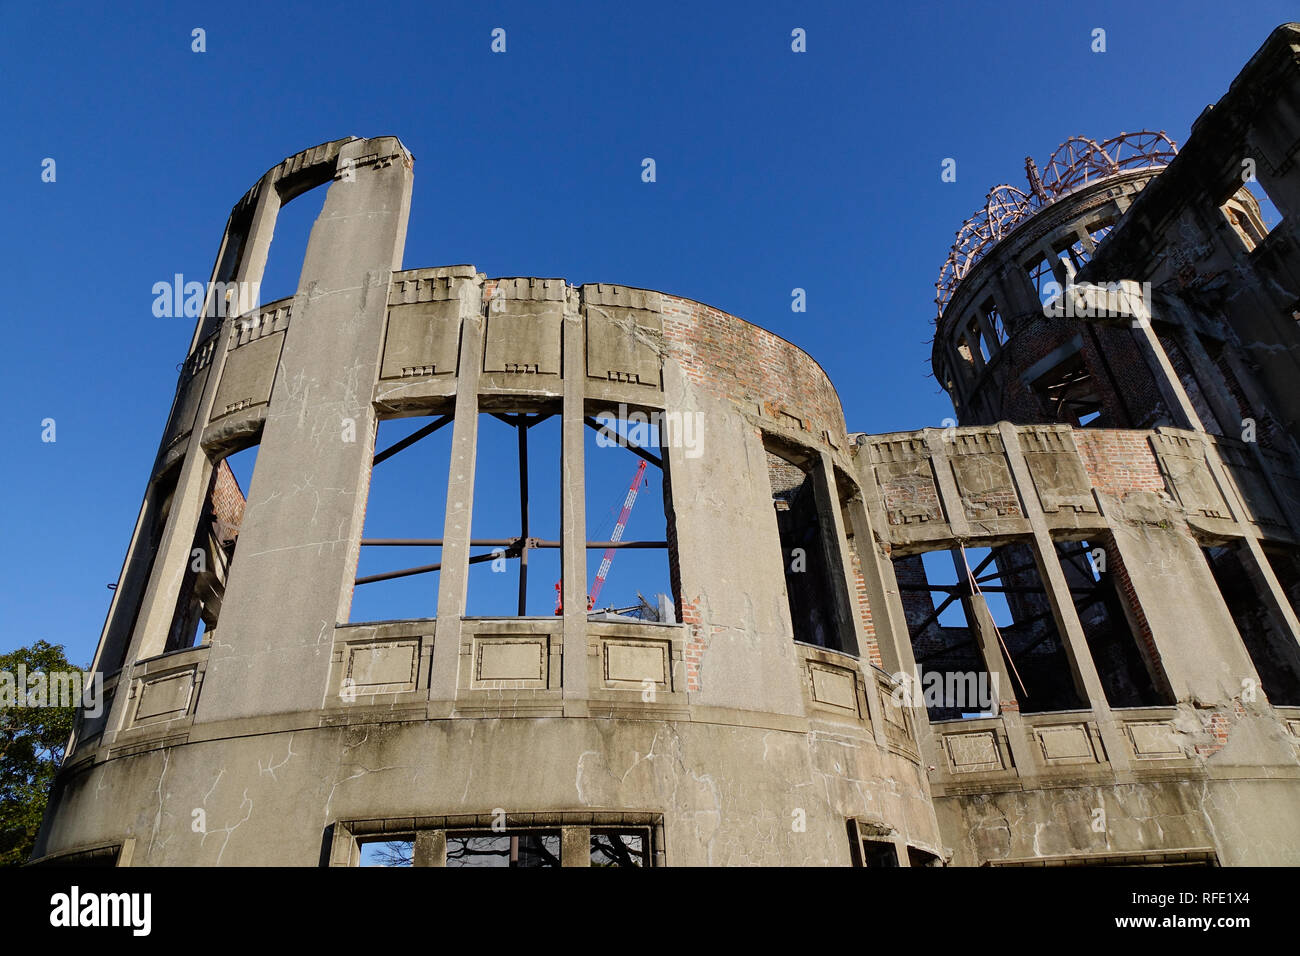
[[1077, 162]]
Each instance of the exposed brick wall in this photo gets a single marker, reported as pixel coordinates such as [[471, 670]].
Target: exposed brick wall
[[227, 503], [787, 479], [872, 650], [731, 359], [1219, 727], [695, 644], [1119, 462]]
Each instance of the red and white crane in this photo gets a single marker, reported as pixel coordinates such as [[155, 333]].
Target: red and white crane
[[615, 536]]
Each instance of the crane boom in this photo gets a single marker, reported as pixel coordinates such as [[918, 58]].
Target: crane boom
[[617, 534]]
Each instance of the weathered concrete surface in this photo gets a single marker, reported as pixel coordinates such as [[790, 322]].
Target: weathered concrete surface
[[289, 734]]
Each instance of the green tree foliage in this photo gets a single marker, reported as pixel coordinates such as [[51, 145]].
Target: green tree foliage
[[32, 740]]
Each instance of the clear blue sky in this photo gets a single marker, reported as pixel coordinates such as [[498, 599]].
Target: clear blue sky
[[775, 170]]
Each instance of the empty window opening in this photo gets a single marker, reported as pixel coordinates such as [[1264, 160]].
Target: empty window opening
[[919, 857], [870, 846], [629, 557], [974, 334], [1100, 230], [515, 541], [1075, 254], [521, 848], [211, 553], [878, 853], [388, 853], [817, 611], [293, 225], [1070, 393], [135, 582], [621, 848], [1129, 677], [993, 318], [1251, 214], [1272, 649], [1043, 279], [401, 545], [1286, 567], [563, 839], [951, 678], [1039, 656]]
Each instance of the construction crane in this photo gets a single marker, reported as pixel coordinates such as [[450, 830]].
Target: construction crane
[[615, 536]]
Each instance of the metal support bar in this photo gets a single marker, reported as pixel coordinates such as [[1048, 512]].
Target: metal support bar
[[517, 419], [522, 430], [624, 442], [937, 611], [411, 439], [422, 569]]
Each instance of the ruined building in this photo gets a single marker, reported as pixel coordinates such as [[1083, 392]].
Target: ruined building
[[1060, 629]]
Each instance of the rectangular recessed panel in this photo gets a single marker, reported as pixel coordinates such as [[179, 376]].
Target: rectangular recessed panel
[[249, 373], [984, 482], [636, 662], [968, 753], [835, 687], [1066, 742], [519, 661], [1153, 740], [523, 337], [423, 339], [892, 703], [909, 491], [624, 345], [165, 697], [384, 668], [1060, 481]]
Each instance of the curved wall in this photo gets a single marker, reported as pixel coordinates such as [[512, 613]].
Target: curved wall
[[291, 735]]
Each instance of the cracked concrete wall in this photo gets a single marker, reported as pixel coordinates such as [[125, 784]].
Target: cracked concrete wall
[[728, 793], [296, 560]]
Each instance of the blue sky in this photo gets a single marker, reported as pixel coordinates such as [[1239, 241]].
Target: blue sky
[[775, 170]]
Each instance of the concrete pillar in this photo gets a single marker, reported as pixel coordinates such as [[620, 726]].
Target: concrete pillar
[[151, 577], [887, 614], [575, 844], [573, 510], [430, 848], [196, 470], [1001, 678], [453, 582], [290, 583], [1171, 387], [1064, 613]]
